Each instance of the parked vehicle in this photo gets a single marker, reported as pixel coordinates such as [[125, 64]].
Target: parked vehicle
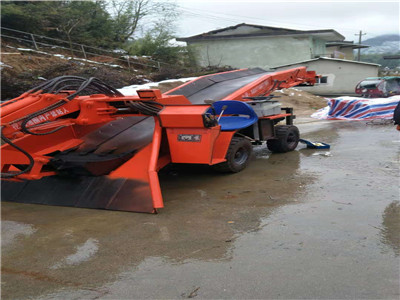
[[378, 87]]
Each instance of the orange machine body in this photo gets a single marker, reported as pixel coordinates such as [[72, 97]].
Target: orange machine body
[[48, 125]]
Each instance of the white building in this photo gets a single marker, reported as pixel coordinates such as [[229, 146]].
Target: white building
[[247, 45], [338, 76]]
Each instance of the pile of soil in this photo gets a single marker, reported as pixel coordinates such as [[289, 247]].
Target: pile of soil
[[23, 71], [303, 103]]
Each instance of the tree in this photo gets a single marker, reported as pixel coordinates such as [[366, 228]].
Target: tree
[[127, 15], [86, 22], [26, 15], [72, 17], [378, 59]]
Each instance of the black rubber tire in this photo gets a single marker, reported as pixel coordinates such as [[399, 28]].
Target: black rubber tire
[[286, 139], [237, 156]]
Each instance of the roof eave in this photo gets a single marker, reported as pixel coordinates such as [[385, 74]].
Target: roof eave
[[236, 26], [319, 33], [327, 59], [346, 45]]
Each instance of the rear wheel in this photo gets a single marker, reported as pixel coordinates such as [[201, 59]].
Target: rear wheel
[[286, 139], [237, 157]]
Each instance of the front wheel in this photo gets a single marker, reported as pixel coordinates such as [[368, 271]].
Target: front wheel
[[286, 139], [237, 157]]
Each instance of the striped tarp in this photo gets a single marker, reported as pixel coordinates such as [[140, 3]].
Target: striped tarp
[[354, 108]]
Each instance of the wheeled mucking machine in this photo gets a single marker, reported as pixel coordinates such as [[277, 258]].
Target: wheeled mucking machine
[[79, 142]]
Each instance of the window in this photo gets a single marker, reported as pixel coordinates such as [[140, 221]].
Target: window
[[370, 84], [323, 79]]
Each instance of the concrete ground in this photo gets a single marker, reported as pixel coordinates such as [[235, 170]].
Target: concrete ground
[[307, 224]]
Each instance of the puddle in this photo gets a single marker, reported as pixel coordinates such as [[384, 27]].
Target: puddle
[[390, 232]]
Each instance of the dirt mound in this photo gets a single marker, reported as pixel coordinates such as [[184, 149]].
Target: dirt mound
[[303, 103], [21, 72]]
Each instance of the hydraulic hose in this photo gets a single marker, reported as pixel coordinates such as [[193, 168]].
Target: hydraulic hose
[[31, 161], [55, 86]]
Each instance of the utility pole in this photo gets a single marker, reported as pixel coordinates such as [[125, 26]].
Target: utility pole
[[359, 42]]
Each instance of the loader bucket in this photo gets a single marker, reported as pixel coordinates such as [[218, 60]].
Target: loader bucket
[[83, 191], [126, 150]]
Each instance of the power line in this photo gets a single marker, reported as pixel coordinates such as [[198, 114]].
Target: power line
[[269, 20], [218, 15], [222, 16], [208, 16], [214, 20]]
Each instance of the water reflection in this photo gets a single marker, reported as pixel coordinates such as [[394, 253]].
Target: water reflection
[[390, 232]]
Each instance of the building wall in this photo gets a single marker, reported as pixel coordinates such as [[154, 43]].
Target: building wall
[[264, 52], [348, 52], [319, 47], [342, 77]]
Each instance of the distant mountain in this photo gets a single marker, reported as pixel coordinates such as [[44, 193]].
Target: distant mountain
[[387, 43], [379, 40]]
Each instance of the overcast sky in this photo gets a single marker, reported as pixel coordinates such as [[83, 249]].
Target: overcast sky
[[348, 18]]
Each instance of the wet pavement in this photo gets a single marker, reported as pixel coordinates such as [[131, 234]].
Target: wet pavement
[[301, 225]]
